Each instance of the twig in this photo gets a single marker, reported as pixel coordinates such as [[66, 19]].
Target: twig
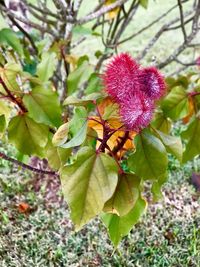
[[100, 12], [26, 166], [12, 97], [182, 20], [148, 26], [29, 23], [158, 34]]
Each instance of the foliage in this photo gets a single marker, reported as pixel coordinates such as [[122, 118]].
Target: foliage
[[84, 133]]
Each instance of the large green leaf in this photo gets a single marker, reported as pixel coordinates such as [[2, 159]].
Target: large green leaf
[[192, 135], [118, 227], [9, 37], [125, 196], [176, 104], [173, 144], [43, 106], [88, 184], [78, 76], [161, 122], [150, 159], [94, 84], [28, 136], [47, 66]]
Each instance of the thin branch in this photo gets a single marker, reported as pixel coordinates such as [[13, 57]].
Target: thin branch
[[26, 166], [158, 34], [148, 26], [28, 22], [185, 64], [182, 20], [43, 10], [131, 12], [100, 12], [174, 73]]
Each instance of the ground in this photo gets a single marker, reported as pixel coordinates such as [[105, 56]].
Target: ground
[[167, 235]]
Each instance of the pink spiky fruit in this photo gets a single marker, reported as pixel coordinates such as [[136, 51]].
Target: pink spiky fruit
[[152, 83], [121, 77], [136, 111], [198, 61]]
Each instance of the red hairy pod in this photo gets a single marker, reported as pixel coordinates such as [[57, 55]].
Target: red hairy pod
[[121, 77], [136, 111], [198, 61], [152, 83]]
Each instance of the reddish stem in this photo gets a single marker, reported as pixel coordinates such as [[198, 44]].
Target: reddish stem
[[18, 102], [194, 94], [121, 144]]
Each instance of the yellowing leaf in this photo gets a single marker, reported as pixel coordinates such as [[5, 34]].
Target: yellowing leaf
[[114, 12], [191, 110]]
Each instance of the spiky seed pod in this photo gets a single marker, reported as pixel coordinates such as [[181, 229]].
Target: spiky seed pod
[[136, 111], [198, 61], [121, 77], [152, 83]]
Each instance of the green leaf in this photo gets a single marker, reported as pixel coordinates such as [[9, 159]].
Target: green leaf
[[94, 84], [78, 76], [161, 122], [144, 3], [173, 144], [57, 156], [2, 123], [4, 109], [28, 136], [88, 184], [9, 37], [78, 139], [47, 66], [176, 104], [72, 100], [150, 159], [192, 135], [81, 30], [9, 74], [119, 227], [156, 189], [78, 119], [125, 196], [43, 106], [61, 136]]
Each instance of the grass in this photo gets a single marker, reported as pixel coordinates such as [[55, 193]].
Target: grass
[[168, 234]]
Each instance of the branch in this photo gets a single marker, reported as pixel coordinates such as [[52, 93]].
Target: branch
[[182, 20], [130, 14], [193, 63], [26, 166], [105, 9], [164, 28], [28, 22], [183, 46], [148, 26], [44, 10]]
